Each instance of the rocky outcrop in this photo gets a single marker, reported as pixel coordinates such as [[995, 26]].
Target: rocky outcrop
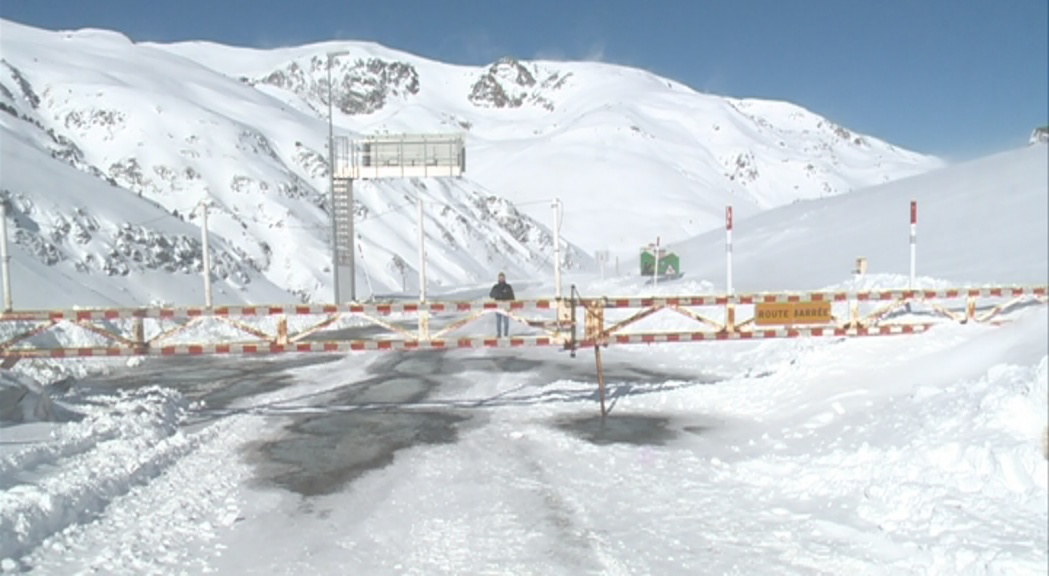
[[359, 86], [1040, 135], [511, 84]]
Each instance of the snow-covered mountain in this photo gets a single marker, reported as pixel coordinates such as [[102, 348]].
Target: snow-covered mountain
[[108, 146]]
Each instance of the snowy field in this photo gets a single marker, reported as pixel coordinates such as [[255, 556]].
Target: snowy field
[[919, 454], [895, 456]]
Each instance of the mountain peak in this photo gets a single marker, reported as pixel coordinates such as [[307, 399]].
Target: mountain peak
[[360, 85], [508, 83], [111, 145]]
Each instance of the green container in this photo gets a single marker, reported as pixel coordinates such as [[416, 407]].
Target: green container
[[668, 262]]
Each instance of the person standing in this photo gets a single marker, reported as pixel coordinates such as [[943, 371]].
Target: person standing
[[502, 291]]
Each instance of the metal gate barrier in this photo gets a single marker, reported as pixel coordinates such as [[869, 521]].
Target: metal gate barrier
[[569, 323]]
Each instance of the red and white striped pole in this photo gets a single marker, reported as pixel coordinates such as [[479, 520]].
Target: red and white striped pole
[[914, 240], [728, 249]]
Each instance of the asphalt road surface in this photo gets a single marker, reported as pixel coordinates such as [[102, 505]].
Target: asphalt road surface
[[360, 425]]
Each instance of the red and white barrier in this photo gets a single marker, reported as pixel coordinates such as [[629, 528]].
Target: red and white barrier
[[597, 328], [271, 348], [457, 343], [411, 307], [699, 336]]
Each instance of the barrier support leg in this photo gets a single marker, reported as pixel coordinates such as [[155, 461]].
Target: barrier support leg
[[424, 325], [600, 379], [282, 331], [138, 334], [572, 322]]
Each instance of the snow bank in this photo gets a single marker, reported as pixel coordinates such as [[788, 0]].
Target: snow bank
[[127, 440]]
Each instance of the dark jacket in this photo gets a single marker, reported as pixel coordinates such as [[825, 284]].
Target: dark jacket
[[502, 291]]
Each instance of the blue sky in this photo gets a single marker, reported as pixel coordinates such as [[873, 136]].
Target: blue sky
[[955, 78]]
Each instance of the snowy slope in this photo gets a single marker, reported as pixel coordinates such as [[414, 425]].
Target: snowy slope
[[166, 129], [83, 232], [176, 124], [980, 222]]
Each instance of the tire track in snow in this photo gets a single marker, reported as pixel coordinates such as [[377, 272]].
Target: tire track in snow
[[576, 545]]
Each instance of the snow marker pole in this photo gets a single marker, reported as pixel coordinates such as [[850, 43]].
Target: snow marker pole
[[730, 308], [728, 249], [854, 304], [914, 240]]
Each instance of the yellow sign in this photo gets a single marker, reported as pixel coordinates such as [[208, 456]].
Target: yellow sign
[[812, 313], [778, 313], [790, 313]]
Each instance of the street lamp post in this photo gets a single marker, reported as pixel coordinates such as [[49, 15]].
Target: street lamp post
[[558, 208], [352, 276], [5, 258], [205, 251], [331, 190]]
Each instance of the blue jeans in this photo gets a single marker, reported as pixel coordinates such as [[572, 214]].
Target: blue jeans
[[502, 325]]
